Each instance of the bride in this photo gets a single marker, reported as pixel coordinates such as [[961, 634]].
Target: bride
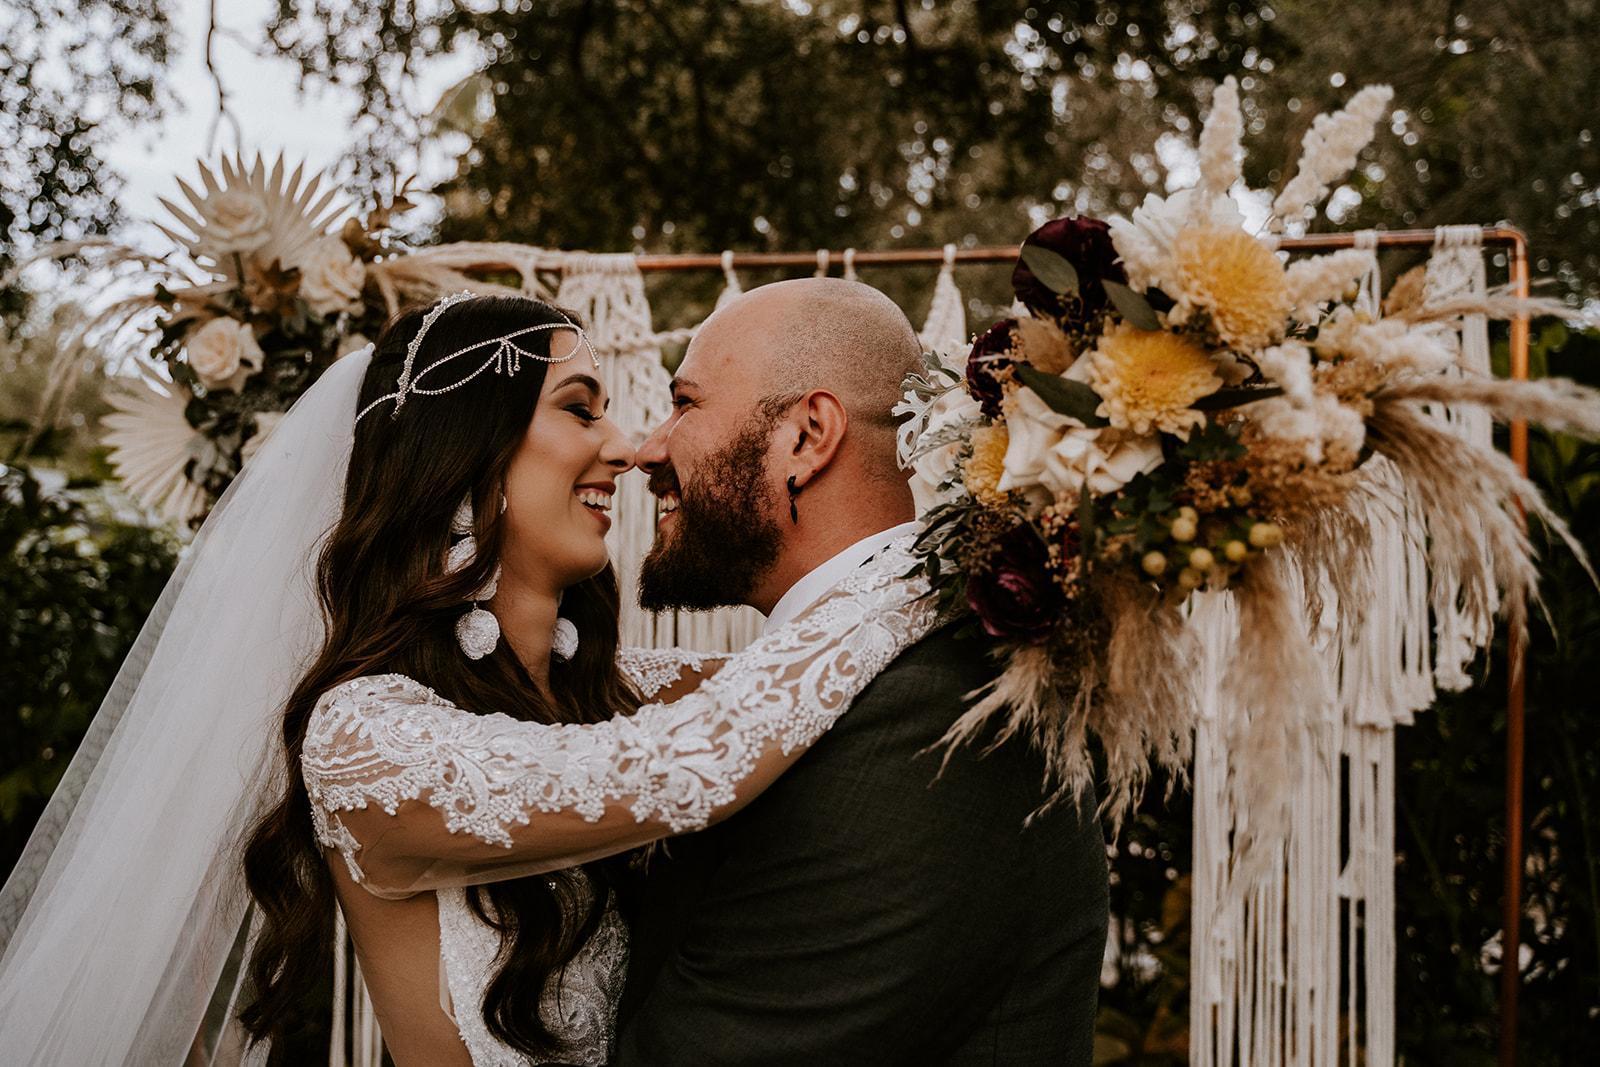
[[387, 672]]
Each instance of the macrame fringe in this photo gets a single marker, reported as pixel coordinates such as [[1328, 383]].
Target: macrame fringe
[[945, 329], [731, 289], [1300, 971]]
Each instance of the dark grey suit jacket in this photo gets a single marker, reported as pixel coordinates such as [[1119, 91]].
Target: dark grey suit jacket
[[860, 912]]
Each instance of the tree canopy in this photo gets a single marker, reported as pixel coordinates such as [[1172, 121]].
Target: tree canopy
[[70, 72], [612, 124]]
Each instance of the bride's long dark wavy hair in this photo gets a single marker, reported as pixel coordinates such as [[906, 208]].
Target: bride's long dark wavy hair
[[391, 608]]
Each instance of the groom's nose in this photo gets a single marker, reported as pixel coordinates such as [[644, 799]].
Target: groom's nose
[[652, 452]]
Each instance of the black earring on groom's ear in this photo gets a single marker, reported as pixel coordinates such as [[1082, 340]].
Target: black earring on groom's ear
[[794, 491]]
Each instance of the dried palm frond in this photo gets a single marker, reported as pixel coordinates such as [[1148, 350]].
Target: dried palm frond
[[292, 218], [100, 251], [151, 445]]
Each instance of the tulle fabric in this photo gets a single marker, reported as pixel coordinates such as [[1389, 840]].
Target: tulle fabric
[[119, 919]]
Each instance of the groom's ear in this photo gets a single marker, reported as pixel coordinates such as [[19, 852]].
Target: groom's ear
[[818, 422]]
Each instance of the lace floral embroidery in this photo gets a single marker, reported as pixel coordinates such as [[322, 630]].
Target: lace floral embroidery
[[388, 739], [653, 669]]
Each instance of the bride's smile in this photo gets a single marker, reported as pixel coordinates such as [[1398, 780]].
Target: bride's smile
[[561, 481]]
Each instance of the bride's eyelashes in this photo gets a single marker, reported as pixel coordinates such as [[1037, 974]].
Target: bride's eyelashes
[[584, 412]]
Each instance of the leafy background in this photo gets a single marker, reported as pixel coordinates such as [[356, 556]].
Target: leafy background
[[695, 125]]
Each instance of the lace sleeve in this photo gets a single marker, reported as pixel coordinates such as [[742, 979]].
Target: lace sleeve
[[652, 670], [417, 793]]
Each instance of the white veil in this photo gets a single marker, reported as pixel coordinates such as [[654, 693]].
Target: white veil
[[117, 922]]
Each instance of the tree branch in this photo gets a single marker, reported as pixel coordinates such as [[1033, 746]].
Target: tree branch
[[222, 93]]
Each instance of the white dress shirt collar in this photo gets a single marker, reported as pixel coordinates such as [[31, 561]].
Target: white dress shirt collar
[[809, 590]]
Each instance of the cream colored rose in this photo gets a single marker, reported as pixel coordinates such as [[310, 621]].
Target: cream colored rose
[[330, 277], [1061, 454], [265, 422], [236, 221], [223, 354], [948, 414]]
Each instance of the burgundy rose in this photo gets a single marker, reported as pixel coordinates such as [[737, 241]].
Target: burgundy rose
[[1086, 244], [989, 358], [1015, 596]]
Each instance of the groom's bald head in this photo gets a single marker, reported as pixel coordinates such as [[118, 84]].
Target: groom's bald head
[[791, 337]]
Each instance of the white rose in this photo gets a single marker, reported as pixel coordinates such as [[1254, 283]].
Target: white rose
[[950, 412], [330, 277], [265, 422], [236, 221], [223, 354], [1061, 454]]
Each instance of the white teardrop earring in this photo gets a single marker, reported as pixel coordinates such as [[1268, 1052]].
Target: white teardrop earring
[[564, 642], [478, 631]]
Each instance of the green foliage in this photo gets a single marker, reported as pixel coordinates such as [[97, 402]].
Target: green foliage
[[1450, 801], [77, 586], [1144, 995], [758, 124], [1066, 397], [29, 366], [1495, 118]]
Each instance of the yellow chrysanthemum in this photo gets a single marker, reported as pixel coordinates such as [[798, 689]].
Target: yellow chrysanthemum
[[1148, 379], [987, 464], [1235, 278]]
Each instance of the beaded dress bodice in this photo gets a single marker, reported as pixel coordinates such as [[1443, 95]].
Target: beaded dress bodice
[[579, 1004]]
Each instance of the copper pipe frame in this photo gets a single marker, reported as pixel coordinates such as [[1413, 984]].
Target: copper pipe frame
[[1493, 236]]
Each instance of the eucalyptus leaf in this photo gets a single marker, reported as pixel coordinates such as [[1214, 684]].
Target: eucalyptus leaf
[[1134, 309], [1232, 398], [1072, 399], [1051, 269]]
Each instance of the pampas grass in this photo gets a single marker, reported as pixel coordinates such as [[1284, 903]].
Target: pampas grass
[[1474, 499], [1273, 689], [1140, 698]]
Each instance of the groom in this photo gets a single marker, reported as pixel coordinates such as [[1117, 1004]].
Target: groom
[[861, 910]]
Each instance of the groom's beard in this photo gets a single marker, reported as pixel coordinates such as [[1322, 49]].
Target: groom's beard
[[724, 537]]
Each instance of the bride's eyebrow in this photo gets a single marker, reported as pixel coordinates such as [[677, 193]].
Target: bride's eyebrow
[[589, 382]]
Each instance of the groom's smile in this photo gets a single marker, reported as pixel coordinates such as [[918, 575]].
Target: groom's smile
[[664, 487]]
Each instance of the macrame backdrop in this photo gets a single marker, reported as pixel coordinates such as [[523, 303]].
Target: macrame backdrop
[[1300, 970], [608, 292]]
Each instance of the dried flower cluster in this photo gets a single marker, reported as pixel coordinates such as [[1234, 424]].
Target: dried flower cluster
[[284, 298], [1179, 411]]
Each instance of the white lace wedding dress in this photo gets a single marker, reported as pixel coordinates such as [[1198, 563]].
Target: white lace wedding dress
[[506, 798]]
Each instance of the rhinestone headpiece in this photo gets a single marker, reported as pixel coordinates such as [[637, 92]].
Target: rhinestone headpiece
[[505, 359]]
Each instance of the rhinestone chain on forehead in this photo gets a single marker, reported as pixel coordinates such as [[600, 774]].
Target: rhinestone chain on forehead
[[506, 359]]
